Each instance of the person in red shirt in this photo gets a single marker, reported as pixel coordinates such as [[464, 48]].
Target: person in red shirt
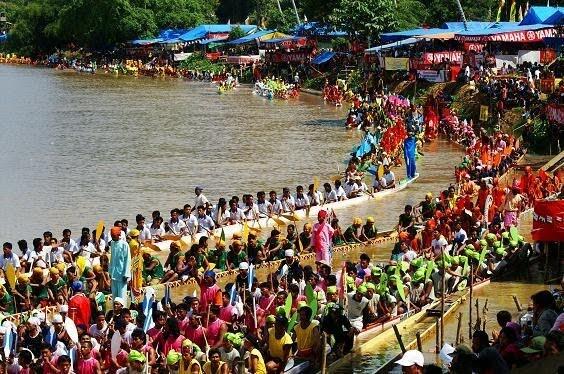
[[79, 305], [49, 365]]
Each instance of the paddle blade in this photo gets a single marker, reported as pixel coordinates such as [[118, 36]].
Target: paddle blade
[[99, 228], [313, 305], [514, 233], [483, 254], [245, 234], [315, 183], [292, 323], [310, 295], [115, 344], [278, 221], [81, 264], [401, 291], [11, 275], [380, 171], [222, 235], [430, 268], [288, 305]]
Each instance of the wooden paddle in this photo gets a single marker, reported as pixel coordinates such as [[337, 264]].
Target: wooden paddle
[[99, 229]]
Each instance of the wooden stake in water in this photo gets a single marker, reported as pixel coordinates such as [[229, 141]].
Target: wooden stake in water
[[324, 353], [419, 344], [517, 303], [398, 337], [458, 327]]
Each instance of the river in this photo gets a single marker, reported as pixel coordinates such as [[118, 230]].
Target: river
[[78, 148]]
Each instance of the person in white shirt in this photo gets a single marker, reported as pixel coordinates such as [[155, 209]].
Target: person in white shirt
[[220, 213], [288, 202], [144, 232], [362, 188], [340, 191], [37, 255], [388, 179], [9, 257], [190, 221], [236, 214], [355, 305], [56, 254], [200, 198], [250, 209], [175, 224], [276, 205], [350, 188], [157, 229], [205, 222], [438, 244], [85, 247], [68, 243], [314, 196], [264, 206], [301, 200], [329, 194]]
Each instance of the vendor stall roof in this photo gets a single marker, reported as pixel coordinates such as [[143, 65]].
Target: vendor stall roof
[[519, 34], [202, 31], [212, 40], [539, 14], [318, 29], [400, 43], [250, 38], [441, 36]]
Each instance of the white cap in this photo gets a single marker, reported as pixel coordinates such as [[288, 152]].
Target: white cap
[[57, 318], [243, 266], [289, 253], [3, 330], [34, 321], [64, 308], [119, 300], [411, 358]]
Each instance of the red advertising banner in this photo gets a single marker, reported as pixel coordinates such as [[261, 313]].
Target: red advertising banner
[[555, 113], [548, 221], [287, 57], [438, 57], [474, 47], [531, 36], [547, 55]]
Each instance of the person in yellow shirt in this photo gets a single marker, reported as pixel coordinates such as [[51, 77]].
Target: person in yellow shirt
[[307, 335], [215, 365], [188, 362], [278, 346], [255, 362]]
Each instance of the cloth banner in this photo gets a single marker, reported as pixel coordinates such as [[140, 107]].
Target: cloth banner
[[547, 56], [434, 76], [530, 36], [548, 221], [437, 57], [529, 56], [555, 113], [510, 60], [396, 63], [474, 47]]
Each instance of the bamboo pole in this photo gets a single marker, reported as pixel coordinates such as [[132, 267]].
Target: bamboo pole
[[470, 301], [437, 332], [443, 300], [324, 353], [458, 327], [398, 337], [517, 303]]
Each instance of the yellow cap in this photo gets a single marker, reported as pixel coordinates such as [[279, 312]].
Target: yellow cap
[[370, 219]]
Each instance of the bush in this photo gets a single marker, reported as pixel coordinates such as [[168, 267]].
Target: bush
[[200, 63], [314, 83]]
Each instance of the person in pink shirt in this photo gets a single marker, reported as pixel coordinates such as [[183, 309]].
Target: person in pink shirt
[[210, 293], [49, 365], [87, 364], [155, 332], [266, 300], [322, 237], [227, 311], [171, 338], [195, 331], [216, 328]]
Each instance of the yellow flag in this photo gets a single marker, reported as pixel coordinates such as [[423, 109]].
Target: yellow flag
[[315, 183], [245, 234]]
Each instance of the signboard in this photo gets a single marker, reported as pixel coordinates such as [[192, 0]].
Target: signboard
[[548, 221], [438, 57], [531, 36], [555, 113], [396, 63], [474, 47], [528, 56], [508, 60], [433, 76], [547, 56], [484, 113], [287, 57], [547, 85]]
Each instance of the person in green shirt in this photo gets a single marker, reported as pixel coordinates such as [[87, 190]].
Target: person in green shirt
[[6, 301], [56, 285], [236, 255], [153, 270], [218, 256], [171, 263], [369, 230]]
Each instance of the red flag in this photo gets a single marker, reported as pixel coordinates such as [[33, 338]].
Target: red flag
[[548, 221]]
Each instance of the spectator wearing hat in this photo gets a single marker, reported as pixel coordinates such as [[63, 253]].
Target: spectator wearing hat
[[236, 255], [278, 345], [412, 362], [33, 339], [534, 351], [210, 293], [322, 237], [290, 267], [356, 303], [120, 264], [135, 363], [79, 305]]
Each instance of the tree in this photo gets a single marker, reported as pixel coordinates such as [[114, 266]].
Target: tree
[[318, 10], [236, 33], [410, 14], [182, 13], [365, 19]]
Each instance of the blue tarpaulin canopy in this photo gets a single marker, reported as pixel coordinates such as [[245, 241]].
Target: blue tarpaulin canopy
[[250, 38], [3, 37], [317, 29], [323, 57], [538, 14], [202, 31], [212, 40]]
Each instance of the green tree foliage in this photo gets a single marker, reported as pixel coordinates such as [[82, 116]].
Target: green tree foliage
[[410, 14], [318, 10], [365, 19], [236, 33]]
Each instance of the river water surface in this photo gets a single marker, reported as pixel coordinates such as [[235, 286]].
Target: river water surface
[[79, 148]]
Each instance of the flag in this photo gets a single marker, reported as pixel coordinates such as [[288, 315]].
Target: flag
[[501, 5], [520, 14], [251, 276], [222, 236], [527, 8], [512, 11], [232, 295]]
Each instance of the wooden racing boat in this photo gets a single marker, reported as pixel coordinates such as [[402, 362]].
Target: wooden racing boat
[[267, 222]]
